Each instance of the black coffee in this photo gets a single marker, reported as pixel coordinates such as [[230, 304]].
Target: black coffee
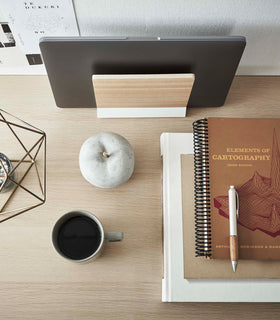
[[79, 237]]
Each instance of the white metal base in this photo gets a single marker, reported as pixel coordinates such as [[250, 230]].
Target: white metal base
[[141, 112]]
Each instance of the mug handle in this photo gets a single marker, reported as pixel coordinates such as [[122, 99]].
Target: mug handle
[[113, 236]]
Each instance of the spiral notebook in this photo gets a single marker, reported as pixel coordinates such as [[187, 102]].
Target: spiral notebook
[[244, 153], [201, 268]]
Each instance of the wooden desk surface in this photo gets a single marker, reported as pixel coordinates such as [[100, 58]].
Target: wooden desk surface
[[126, 282]]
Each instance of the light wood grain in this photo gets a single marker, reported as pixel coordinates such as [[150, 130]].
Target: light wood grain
[[35, 283], [142, 91], [233, 245]]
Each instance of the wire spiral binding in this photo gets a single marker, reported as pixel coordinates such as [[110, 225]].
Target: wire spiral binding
[[203, 243]]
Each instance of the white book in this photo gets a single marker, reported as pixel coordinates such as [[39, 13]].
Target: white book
[[175, 287]]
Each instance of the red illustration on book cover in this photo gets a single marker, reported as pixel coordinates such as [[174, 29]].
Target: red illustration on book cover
[[259, 199]]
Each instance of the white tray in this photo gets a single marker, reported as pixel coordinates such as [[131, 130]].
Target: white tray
[[175, 288]]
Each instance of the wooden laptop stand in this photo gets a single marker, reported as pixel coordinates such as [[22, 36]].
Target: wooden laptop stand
[[142, 95]]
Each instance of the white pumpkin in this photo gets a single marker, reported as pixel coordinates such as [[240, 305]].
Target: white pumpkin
[[106, 160]]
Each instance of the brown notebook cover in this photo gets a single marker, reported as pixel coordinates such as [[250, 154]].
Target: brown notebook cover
[[200, 267], [244, 153]]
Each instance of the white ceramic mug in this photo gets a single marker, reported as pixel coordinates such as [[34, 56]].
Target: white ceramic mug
[[105, 236]]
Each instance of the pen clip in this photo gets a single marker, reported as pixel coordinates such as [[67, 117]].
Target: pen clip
[[237, 204]]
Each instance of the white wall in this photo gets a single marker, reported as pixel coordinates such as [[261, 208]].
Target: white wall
[[258, 20]]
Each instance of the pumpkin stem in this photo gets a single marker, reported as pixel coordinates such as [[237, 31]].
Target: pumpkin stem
[[105, 154]]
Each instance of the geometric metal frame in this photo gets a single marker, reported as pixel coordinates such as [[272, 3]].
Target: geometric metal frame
[[40, 143]]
